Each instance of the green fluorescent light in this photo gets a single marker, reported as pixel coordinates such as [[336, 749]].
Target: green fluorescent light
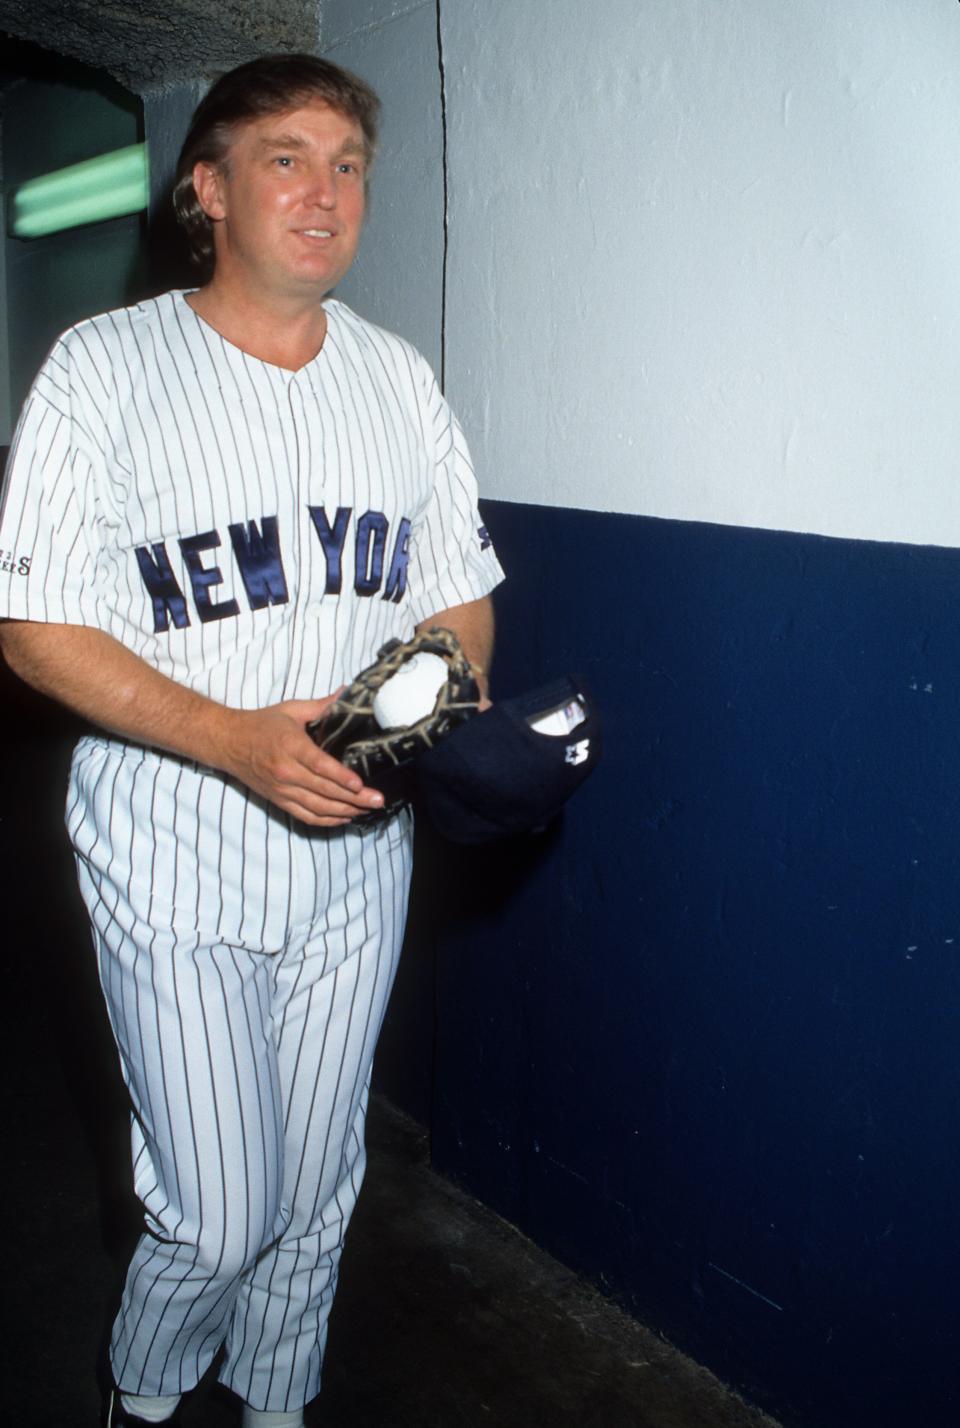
[[106, 187]]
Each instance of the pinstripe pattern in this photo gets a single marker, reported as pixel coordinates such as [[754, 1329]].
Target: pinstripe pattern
[[248, 1072], [255, 534], [145, 427]]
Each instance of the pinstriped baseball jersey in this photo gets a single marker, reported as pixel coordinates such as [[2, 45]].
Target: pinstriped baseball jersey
[[253, 533]]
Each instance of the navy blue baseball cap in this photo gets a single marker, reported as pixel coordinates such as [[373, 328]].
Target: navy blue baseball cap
[[510, 769]]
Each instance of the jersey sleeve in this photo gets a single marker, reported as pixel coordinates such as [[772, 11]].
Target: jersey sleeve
[[48, 520], [452, 554]]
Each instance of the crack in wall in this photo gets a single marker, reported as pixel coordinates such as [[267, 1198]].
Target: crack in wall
[[446, 182]]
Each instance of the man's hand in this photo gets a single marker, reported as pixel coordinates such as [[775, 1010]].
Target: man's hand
[[270, 751]]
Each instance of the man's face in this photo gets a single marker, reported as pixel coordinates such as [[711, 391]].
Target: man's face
[[287, 205]]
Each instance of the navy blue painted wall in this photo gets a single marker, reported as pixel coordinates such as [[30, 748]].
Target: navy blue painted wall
[[702, 1041]]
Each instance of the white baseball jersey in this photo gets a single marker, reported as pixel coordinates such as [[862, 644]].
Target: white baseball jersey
[[254, 533]]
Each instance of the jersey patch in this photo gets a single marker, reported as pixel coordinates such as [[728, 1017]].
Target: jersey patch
[[11, 564]]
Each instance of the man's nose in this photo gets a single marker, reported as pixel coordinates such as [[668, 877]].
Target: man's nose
[[323, 189]]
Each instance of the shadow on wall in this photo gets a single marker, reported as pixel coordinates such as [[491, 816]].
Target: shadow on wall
[[169, 264], [52, 995]]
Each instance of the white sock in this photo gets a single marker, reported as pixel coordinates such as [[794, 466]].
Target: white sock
[[151, 1410], [256, 1418]]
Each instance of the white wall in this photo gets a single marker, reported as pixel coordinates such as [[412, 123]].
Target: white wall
[[705, 258], [397, 278]]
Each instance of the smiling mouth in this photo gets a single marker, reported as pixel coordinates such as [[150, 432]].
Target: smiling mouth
[[316, 232]]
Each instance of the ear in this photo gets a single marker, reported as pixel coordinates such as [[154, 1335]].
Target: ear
[[209, 188]]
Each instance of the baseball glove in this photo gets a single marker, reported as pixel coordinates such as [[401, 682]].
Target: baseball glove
[[350, 732]]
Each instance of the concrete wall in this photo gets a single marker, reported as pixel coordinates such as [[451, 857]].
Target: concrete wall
[[398, 277], [700, 313], [714, 249]]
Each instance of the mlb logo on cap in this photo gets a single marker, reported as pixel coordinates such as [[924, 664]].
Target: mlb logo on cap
[[511, 769]]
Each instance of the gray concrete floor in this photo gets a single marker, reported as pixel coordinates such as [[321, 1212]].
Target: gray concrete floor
[[450, 1317], [446, 1317]]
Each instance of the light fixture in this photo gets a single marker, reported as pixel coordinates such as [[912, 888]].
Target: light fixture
[[106, 187]]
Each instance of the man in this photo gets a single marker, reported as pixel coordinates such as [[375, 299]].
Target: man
[[222, 502]]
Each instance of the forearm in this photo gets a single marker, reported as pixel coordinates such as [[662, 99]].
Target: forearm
[[473, 626], [269, 749], [99, 678]]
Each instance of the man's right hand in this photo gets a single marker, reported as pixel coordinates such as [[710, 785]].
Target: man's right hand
[[270, 751]]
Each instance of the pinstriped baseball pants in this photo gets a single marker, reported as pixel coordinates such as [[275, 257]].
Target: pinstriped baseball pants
[[248, 1071]]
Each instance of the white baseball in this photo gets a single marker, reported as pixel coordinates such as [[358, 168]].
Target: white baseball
[[410, 694]]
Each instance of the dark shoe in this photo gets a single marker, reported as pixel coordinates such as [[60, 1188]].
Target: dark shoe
[[118, 1417]]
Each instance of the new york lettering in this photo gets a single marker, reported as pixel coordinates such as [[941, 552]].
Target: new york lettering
[[258, 559]]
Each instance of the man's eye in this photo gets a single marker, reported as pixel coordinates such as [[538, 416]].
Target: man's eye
[[284, 161], [346, 167]]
